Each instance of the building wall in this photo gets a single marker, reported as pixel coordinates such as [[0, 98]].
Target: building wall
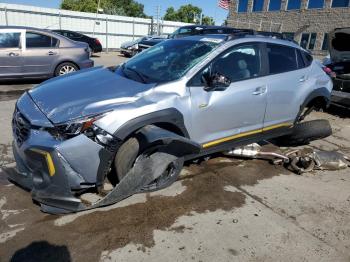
[[318, 21]]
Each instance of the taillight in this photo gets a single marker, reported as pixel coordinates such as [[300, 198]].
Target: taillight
[[329, 71], [97, 42]]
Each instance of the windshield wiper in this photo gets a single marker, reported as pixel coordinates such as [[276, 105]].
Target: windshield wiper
[[139, 74]]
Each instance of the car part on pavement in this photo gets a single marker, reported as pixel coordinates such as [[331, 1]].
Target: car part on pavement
[[305, 132]]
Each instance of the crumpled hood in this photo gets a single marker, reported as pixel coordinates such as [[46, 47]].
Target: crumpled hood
[[339, 48], [85, 93]]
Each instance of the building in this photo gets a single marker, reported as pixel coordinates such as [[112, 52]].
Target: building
[[306, 21]]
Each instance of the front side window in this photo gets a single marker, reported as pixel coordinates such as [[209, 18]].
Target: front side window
[[242, 6], [275, 5], [239, 63], [10, 40], [340, 3], [293, 4], [315, 4], [281, 58], [168, 61], [258, 5], [36, 40]]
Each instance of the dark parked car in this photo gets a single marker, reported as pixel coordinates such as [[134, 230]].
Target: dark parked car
[[131, 48], [27, 52], [201, 30], [339, 64], [94, 43]]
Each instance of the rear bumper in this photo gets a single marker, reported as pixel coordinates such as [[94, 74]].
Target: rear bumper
[[340, 98], [86, 63]]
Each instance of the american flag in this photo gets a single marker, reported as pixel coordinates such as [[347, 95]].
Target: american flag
[[224, 4]]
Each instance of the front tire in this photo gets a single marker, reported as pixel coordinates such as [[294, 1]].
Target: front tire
[[130, 152]]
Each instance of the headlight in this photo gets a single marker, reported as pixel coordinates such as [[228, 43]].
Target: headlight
[[73, 128]]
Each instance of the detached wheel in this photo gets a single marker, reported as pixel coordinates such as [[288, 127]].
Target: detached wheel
[[305, 132], [131, 151], [65, 68]]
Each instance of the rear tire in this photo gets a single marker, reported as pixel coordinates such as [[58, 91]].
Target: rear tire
[[65, 68], [305, 132], [128, 154]]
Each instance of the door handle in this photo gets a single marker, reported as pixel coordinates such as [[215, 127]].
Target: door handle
[[51, 53], [13, 54], [260, 90], [302, 79]]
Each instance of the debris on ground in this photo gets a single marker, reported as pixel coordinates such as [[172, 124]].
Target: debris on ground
[[297, 160]]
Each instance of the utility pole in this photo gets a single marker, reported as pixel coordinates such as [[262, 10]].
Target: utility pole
[[158, 8], [97, 10]]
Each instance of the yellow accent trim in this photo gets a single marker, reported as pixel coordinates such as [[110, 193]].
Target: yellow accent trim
[[48, 158], [225, 139]]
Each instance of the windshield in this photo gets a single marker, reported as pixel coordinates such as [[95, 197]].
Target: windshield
[[167, 61]]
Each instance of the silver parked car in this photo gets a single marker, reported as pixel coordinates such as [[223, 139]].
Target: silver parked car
[[33, 53], [179, 100]]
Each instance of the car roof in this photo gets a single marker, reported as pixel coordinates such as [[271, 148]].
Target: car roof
[[249, 37], [207, 27]]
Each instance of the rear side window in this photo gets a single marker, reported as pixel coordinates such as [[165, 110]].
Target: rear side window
[[300, 60], [10, 40], [36, 40], [307, 58], [281, 58]]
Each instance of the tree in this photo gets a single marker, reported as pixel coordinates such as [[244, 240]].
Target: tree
[[112, 7], [187, 14]]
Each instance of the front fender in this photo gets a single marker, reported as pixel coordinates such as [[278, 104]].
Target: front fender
[[174, 143]]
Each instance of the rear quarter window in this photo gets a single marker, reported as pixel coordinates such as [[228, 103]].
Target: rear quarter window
[[281, 58], [307, 58]]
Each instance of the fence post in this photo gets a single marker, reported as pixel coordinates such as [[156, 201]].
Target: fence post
[[6, 20], [59, 20], [133, 29], [107, 36]]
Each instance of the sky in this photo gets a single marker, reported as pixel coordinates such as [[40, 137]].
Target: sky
[[209, 7]]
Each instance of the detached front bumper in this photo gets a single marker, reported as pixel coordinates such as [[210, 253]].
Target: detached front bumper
[[53, 170]]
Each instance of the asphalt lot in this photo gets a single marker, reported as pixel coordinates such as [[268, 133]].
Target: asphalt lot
[[224, 209]]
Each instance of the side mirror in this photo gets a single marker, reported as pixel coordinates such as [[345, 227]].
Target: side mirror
[[216, 82]]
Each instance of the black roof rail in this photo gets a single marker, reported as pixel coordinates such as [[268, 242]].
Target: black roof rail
[[245, 32]]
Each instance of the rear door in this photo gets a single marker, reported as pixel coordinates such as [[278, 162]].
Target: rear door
[[10, 53], [40, 54], [287, 77]]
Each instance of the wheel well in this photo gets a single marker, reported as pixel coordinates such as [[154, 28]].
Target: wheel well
[[318, 103], [170, 127]]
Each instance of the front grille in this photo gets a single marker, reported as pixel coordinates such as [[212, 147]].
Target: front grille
[[20, 127]]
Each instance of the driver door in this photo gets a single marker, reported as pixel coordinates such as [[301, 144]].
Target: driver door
[[236, 111]]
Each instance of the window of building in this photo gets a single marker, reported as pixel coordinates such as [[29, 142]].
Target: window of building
[[304, 40], [258, 5], [275, 5], [34, 40], [281, 59], [289, 35], [325, 42], [315, 4], [9, 40], [340, 3], [293, 4], [242, 6], [312, 41]]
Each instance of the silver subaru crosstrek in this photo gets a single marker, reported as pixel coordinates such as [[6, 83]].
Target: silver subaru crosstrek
[[135, 126], [27, 52]]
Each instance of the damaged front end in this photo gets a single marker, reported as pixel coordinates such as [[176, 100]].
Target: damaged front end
[[56, 162], [59, 163]]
